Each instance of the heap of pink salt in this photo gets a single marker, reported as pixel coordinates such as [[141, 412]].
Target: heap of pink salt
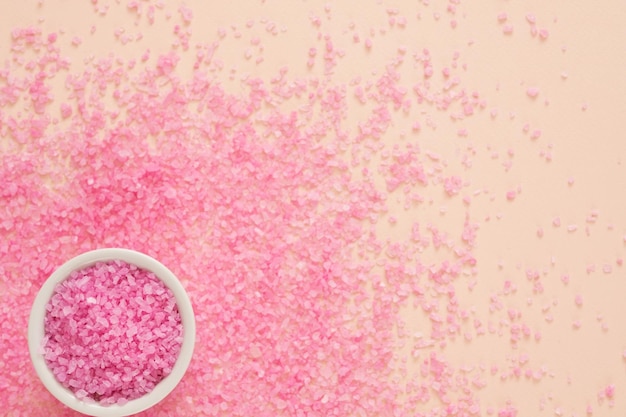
[[112, 332]]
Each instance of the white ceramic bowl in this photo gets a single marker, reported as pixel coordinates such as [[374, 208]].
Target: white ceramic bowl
[[36, 333]]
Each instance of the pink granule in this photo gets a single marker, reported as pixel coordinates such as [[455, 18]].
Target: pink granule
[[112, 332], [532, 92]]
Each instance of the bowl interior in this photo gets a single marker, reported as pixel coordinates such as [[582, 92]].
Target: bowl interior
[[36, 332]]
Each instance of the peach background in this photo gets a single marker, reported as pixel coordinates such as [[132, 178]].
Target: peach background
[[580, 116]]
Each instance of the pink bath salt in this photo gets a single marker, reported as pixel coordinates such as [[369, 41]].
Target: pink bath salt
[[510, 195], [508, 411], [112, 332], [507, 29], [536, 134], [452, 185], [609, 391], [578, 300], [502, 16], [66, 110], [186, 14], [532, 92], [264, 230], [530, 18], [543, 34]]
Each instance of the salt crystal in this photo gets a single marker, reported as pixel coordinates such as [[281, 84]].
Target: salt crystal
[[579, 300], [536, 134], [532, 92]]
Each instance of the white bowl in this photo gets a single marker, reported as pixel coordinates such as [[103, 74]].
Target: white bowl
[[36, 333]]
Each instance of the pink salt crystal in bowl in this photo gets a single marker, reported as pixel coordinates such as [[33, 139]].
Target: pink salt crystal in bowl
[[70, 295]]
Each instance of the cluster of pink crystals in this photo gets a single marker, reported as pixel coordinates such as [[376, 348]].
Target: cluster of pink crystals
[[112, 332]]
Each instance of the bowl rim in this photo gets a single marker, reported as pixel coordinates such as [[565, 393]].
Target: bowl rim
[[36, 332]]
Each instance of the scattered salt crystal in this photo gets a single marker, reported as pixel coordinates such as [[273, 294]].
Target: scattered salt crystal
[[452, 185], [536, 134], [532, 92], [510, 195], [578, 300]]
